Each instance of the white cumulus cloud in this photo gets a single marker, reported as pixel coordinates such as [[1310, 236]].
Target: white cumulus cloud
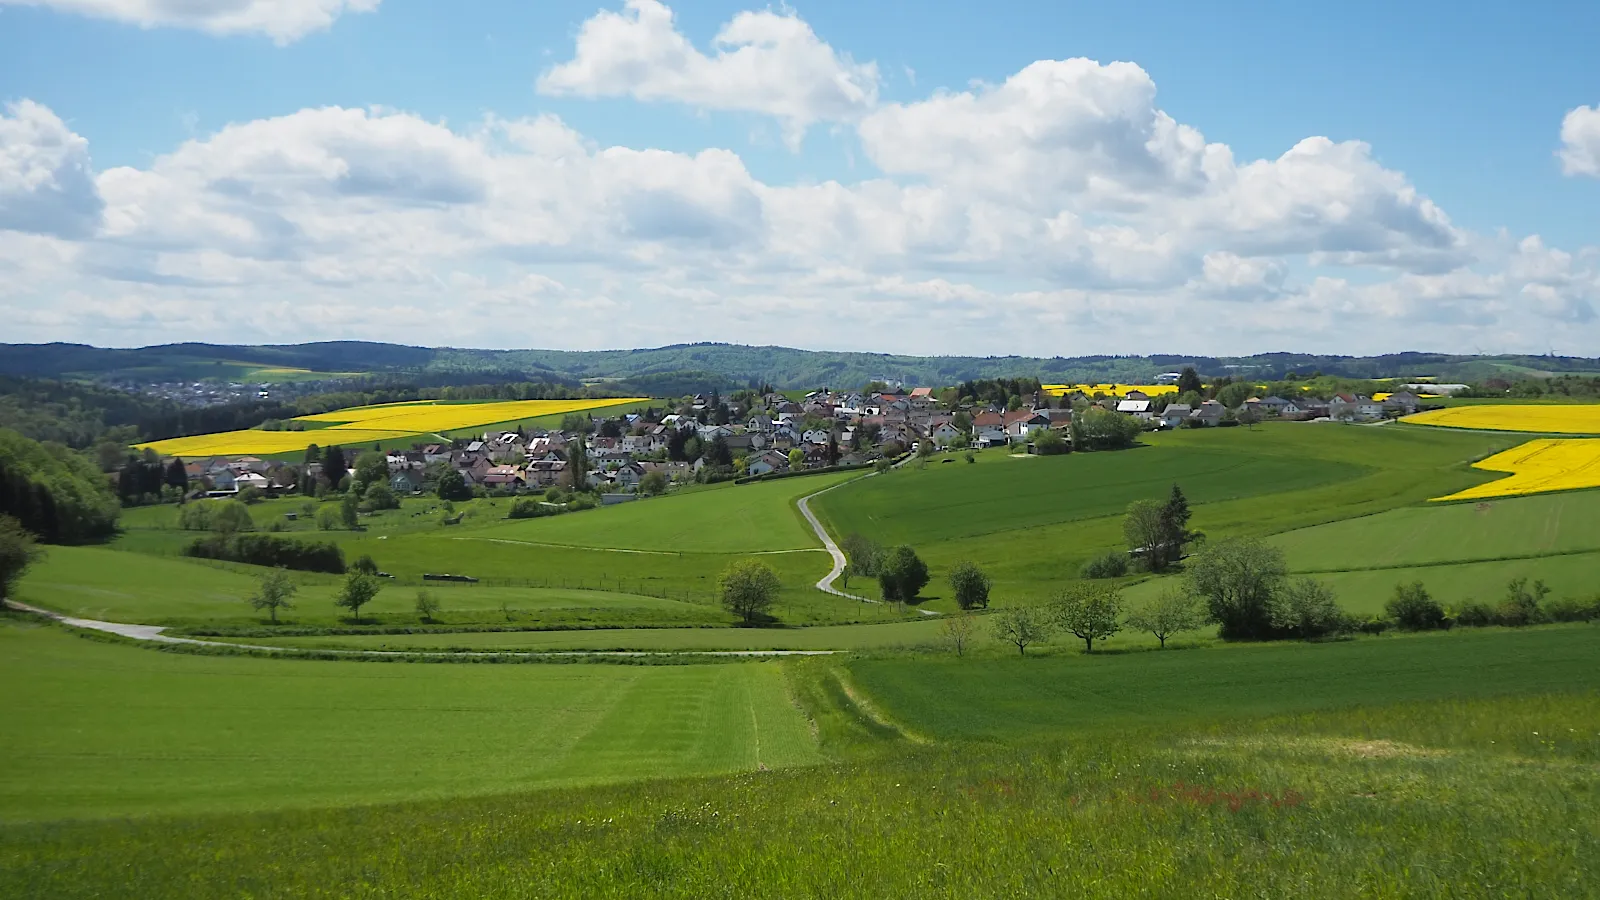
[[47, 185], [1580, 141], [764, 62], [284, 21]]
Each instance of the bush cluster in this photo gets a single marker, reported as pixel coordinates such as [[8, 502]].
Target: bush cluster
[[269, 550], [1110, 564]]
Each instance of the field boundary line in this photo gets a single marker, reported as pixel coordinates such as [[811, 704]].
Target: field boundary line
[[643, 552], [154, 634], [1595, 551]]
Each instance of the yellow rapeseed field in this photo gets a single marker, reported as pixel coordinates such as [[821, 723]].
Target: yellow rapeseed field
[[1549, 464], [371, 424], [1551, 419], [1154, 390]]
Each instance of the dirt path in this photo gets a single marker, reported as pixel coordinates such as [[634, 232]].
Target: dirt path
[[154, 634], [839, 562]]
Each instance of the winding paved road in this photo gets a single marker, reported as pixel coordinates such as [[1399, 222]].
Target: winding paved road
[[839, 562]]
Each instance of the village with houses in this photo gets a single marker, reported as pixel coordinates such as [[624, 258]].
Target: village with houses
[[752, 434]]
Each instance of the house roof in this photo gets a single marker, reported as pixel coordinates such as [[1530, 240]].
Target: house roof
[[922, 392], [987, 418], [1178, 409], [1133, 406]]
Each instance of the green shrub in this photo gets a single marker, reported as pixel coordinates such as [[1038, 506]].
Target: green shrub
[[1475, 614], [269, 550], [1110, 564], [1573, 609], [1524, 603], [1414, 609]]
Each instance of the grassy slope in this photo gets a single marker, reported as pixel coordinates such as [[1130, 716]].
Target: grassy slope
[[1399, 466], [1007, 493], [1448, 797], [1525, 526], [1460, 552], [113, 730], [737, 519], [1012, 698], [98, 583]]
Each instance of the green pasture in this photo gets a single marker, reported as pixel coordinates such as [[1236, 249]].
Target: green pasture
[[1010, 493], [110, 730], [746, 518], [1385, 468], [540, 586], [1520, 526], [1466, 791], [1014, 698], [1365, 591], [96, 583]]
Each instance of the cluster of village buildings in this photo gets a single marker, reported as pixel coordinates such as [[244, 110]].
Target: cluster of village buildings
[[772, 434]]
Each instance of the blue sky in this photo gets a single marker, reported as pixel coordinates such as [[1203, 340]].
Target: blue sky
[[1475, 118]]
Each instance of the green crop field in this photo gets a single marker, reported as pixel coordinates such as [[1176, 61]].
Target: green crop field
[[1488, 775], [96, 583], [1009, 493], [1522, 526], [748, 518], [1011, 698], [110, 730]]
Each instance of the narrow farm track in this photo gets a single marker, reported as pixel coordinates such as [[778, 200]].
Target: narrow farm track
[[839, 562], [154, 634]]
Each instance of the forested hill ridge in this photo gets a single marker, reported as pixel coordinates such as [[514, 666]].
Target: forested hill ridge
[[673, 369]]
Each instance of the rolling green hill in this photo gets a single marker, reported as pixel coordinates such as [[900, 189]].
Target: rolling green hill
[[679, 368]]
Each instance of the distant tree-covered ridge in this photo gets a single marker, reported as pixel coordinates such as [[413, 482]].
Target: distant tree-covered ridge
[[681, 368]]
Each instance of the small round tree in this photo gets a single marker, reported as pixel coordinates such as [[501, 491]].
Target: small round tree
[[902, 575], [970, 584], [276, 592], [748, 589], [357, 591]]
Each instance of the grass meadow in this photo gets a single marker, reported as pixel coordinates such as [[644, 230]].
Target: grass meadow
[[1384, 468], [1404, 782], [112, 730]]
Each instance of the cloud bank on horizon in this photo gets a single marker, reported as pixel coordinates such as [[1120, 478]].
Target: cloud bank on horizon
[[1060, 211]]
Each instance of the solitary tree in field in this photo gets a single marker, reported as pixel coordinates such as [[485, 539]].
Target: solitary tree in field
[[902, 575], [276, 592], [1172, 611], [17, 552], [1175, 525], [1020, 626], [427, 606], [957, 631], [1090, 611], [350, 511], [970, 584], [748, 589], [358, 590], [1146, 533]]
